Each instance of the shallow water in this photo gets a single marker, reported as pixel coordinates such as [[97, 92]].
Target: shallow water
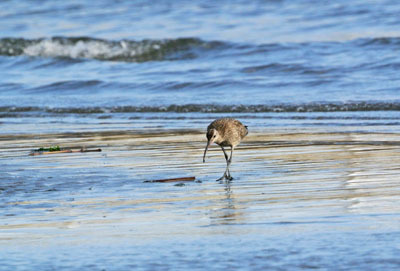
[[316, 180], [299, 200]]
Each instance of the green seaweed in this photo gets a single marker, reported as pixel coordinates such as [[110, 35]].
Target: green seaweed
[[50, 149]]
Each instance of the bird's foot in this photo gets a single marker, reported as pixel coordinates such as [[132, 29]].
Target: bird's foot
[[225, 177]]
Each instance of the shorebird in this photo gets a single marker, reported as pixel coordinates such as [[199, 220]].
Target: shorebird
[[225, 132]]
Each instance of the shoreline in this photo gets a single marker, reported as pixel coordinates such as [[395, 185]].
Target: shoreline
[[288, 185]]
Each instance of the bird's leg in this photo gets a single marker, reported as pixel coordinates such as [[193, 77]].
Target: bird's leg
[[226, 156], [227, 174], [228, 163]]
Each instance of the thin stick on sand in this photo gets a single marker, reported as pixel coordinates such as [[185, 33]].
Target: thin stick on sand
[[183, 179], [63, 151]]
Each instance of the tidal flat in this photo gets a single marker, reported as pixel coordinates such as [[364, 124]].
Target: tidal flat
[[300, 199]]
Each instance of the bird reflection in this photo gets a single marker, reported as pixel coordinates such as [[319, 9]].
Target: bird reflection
[[227, 213]]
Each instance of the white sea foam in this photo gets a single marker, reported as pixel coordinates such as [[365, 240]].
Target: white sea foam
[[80, 49], [105, 50]]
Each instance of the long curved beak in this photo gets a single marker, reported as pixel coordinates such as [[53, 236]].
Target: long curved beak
[[205, 151]]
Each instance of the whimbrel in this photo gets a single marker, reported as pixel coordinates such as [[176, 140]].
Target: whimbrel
[[225, 132]]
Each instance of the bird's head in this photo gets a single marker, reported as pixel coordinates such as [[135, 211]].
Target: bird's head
[[212, 136]]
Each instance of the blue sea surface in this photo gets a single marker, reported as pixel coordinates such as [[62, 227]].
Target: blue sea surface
[[230, 56]]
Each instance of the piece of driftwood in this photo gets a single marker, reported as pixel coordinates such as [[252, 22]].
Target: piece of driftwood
[[183, 179], [33, 153]]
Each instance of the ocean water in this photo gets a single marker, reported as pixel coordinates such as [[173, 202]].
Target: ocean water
[[62, 60], [316, 182]]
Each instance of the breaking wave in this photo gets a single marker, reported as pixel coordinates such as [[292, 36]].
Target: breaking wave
[[145, 50], [100, 49], [213, 108]]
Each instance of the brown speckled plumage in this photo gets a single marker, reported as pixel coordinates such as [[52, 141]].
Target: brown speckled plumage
[[225, 132], [231, 131]]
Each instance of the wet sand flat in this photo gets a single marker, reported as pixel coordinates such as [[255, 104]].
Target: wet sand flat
[[298, 199]]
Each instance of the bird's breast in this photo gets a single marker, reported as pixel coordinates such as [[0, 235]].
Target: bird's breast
[[225, 143]]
